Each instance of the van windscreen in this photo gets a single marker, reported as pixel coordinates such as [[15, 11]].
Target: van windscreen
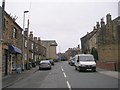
[[86, 58]]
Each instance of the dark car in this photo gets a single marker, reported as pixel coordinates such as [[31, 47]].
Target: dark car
[[44, 64]]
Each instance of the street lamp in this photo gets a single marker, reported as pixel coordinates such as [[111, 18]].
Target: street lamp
[[23, 38]]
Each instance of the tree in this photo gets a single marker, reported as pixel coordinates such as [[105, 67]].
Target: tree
[[94, 52]]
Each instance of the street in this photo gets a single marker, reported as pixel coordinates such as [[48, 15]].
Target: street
[[62, 75]]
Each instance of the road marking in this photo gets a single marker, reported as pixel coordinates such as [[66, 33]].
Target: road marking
[[62, 68], [68, 84], [64, 74]]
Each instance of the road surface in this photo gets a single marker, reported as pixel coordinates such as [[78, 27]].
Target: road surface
[[62, 75]]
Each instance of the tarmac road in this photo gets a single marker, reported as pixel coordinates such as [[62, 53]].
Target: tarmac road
[[62, 75]]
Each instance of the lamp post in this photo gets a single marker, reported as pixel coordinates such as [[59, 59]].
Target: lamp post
[[23, 38]]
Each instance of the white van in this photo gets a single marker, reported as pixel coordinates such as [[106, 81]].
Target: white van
[[85, 62]]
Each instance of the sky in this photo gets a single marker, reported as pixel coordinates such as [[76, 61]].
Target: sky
[[65, 21]]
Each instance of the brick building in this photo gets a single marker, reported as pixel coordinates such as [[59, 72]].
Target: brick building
[[72, 52], [108, 40], [11, 46], [33, 50], [50, 48], [104, 38]]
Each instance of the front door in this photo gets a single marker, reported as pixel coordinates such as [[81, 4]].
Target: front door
[[6, 64], [13, 62]]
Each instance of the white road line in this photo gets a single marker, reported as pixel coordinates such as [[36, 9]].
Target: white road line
[[62, 68], [64, 74], [68, 84]]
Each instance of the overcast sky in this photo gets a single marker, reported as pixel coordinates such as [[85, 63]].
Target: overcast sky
[[65, 21]]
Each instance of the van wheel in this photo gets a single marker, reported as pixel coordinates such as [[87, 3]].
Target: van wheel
[[94, 70]]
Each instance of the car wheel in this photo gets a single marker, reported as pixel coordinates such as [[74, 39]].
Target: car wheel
[[75, 68], [79, 70]]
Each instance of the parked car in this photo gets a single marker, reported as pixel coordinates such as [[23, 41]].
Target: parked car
[[85, 62], [44, 64], [71, 62], [52, 62]]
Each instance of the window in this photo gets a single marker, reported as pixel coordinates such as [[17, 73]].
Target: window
[[35, 58], [39, 57], [25, 43], [32, 46], [25, 56], [95, 40], [4, 28], [14, 33], [36, 48], [32, 55]]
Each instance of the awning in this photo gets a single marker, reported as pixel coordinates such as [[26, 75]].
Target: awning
[[13, 49]]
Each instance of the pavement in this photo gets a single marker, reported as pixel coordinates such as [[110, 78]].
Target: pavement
[[11, 79], [114, 74]]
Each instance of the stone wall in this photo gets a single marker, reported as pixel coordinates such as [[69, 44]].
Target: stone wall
[[108, 53]]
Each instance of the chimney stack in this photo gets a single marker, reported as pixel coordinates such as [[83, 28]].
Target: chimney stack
[[102, 22], [35, 39], [26, 32], [108, 18], [39, 41], [97, 25], [94, 28], [31, 35]]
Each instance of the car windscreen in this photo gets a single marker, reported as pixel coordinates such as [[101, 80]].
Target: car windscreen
[[86, 58]]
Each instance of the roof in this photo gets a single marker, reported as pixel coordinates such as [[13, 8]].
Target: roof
[[45, 61], [51, 42], [12, 19], [89, 35]]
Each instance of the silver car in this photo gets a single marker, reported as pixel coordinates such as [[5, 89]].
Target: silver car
[[44, 64]]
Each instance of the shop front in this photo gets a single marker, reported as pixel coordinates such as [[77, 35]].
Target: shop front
[[13, 58]]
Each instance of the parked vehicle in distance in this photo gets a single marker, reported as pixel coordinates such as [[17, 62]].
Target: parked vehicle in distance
[[44, 64], [85, 62], [71, 62], [52, 62]]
